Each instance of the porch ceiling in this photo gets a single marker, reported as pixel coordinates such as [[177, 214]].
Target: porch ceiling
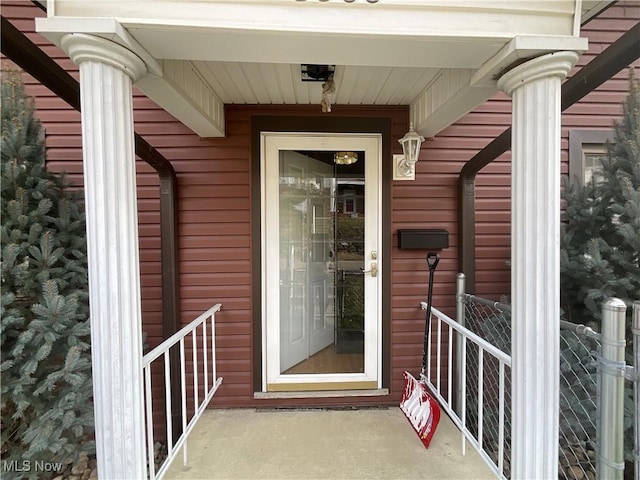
[[439, 57]]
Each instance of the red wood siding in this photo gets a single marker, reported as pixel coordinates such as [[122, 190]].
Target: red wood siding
[[215, 191], [64, 154], [493, 194], [63, 134]]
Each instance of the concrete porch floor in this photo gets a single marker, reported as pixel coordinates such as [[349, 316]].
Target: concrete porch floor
[[322, 444]]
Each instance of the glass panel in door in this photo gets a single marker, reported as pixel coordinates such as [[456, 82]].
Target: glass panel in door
[[322, 261], [320, 267]]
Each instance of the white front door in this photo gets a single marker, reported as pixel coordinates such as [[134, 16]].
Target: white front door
[[320, 263]]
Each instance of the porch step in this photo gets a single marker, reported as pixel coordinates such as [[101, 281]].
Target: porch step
[[324, 394]]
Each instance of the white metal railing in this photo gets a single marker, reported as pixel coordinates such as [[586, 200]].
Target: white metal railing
[[197, 327], [464, 336]]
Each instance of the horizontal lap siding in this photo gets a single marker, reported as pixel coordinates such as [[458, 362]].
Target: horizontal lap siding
[[214, 237], [215, 210], [493, 193], [235, 350], [63, 136], [431, 201]]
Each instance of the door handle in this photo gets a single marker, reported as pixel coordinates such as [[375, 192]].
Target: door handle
[[373, 271]]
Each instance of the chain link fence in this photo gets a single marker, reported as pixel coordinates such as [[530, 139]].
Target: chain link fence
[[492, 322], [580, 399]]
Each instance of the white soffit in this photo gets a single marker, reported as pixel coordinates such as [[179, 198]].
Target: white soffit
[[175, 85], [280, 84], [183, 93], [454, 92], [438, 56]]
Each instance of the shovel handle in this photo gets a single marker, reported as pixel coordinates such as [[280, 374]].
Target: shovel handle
[[432, 261]]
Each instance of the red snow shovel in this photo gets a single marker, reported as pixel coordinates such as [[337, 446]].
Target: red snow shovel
[[420, 408]]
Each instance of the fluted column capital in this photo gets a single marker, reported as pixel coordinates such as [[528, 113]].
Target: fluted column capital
[[557, 64], [82, 48]]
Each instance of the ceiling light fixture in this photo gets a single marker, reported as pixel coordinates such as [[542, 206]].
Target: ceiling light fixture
[[345, 158], [316, 73]]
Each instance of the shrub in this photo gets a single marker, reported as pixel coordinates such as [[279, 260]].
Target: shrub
[[47, 413]]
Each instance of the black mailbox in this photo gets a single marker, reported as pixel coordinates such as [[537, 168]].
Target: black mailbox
[[423, 239]]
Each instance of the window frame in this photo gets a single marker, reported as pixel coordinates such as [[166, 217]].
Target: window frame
[[580, 142]]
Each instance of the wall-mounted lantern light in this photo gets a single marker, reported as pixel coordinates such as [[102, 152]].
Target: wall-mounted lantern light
[[404, 166]]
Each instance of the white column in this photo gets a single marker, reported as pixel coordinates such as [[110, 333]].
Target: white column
[[535, 256], [107, 72]]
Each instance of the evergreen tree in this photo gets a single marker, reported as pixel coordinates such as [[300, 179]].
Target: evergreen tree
[[46, 407], [600, 242]]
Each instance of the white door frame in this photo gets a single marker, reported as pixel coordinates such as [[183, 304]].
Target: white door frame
[[270, 145]]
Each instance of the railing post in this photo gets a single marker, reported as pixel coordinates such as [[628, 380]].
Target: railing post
[[611, 367], [460, 306], [635, 329]]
